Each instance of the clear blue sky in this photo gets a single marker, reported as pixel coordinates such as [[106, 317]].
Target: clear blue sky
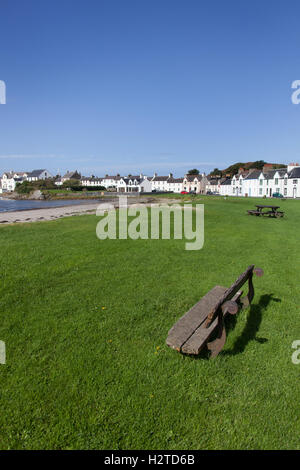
[[148, 85]]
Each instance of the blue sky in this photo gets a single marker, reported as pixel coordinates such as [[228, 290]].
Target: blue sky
[[149, 85]]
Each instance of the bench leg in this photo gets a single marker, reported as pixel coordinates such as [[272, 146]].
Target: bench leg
[[231, 307], [218, 344], [246, 301]]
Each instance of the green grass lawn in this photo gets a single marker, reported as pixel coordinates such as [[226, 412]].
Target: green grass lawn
[[67, 194], [85, 323]]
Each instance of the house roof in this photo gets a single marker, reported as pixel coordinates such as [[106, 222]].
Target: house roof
[[193, 177], [213, 181], [295, 173], [9, 174], [90, 178], [226, 182], [36, 172], [71, 175], [253, 175], [269, 175], [175, 180], [129, 178], [160, 178], [107, 177]]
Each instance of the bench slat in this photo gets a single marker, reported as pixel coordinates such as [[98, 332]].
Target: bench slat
[[196, 342], [188, 323]]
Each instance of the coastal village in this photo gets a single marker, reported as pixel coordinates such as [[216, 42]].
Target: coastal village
[[266, 182]]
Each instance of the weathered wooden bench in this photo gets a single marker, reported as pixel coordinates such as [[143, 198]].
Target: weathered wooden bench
[[206, 319]]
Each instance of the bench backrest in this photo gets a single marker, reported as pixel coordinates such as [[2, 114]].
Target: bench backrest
[[231, 291]]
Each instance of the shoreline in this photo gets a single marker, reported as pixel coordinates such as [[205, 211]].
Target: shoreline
[[54, 213], [46, 213], [49, 207]]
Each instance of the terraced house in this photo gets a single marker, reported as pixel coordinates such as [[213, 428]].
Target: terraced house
[[160, 183], [195, 183], [91, 181], [264, 183]]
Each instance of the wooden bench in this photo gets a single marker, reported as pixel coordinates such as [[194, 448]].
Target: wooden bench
[[253, 212], [193, 331]]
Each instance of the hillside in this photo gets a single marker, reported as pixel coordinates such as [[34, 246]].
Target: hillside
[[233, 169]]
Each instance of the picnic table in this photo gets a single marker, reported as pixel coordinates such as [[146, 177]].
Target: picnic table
[[272, 212]]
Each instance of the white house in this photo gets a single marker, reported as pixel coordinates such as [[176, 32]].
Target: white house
[[160, 183], [214, 184], [132, 184], [292, 182], [260, 183], [36, 175], [174, 184], [8, 182], [58, 182], [92, 181], [225, 187], [10, 179], [110, 182]]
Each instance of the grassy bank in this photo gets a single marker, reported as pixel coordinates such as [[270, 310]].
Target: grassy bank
[[85, 323], [56, 194]]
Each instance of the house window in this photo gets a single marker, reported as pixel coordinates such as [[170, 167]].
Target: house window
[[285, 191], [260, 190], [295, 181], [261, 182], [276, 180], [285, 181]]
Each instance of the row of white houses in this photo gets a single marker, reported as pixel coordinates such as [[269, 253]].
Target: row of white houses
[[251, 183], [142, 183], [257, 183]]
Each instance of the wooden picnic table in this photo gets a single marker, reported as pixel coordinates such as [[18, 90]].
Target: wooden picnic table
[[272, 212]]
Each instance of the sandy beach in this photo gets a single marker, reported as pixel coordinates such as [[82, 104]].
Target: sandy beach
[[49, 213], [52, 213]]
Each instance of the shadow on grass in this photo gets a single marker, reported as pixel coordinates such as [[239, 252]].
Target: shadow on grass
[[252, 326], [249, 333]]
